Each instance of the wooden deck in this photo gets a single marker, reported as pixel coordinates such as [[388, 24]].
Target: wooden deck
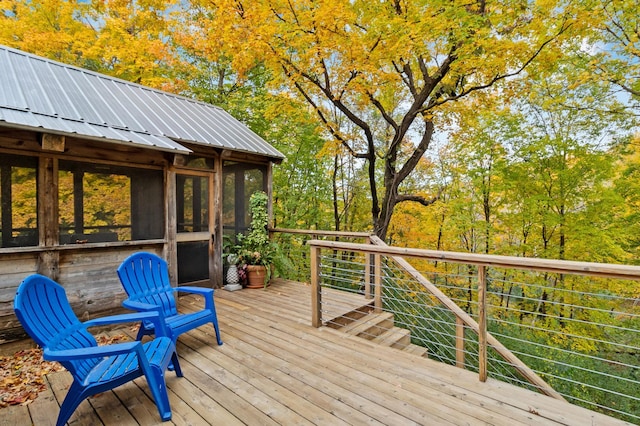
[[274, 368]]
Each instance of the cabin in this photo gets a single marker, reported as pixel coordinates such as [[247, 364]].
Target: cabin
[[93, 168]]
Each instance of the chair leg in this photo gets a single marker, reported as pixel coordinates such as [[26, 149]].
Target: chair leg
[[217, 329], [141, 332], [214, 321], [75, 396], [176, 364], [158, 388]]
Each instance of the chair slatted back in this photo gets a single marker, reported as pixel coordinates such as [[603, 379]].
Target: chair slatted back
[[42, 307], [145, 278]]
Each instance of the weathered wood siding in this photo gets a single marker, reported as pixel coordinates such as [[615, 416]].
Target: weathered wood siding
[[14, 267], [88, 275], [91, 280], [88, 271]]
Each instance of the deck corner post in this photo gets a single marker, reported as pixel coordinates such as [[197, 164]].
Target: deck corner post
[[482, 323], [316, 295], [377, 266], [368, 272]]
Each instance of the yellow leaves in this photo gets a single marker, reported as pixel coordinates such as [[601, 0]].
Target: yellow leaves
[[45, 27], [124, 38], [22, 376]]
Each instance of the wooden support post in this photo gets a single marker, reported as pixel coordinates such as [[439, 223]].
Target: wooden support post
[[48, 232], [367, 275], [377, 266], [482, 322], [316, 295], [216, 262], [170, 251], [459, 342]]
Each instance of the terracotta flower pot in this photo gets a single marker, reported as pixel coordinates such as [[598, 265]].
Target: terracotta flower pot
[[256, 276]]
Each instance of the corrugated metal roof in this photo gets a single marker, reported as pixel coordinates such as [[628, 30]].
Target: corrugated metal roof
[[41, 94]]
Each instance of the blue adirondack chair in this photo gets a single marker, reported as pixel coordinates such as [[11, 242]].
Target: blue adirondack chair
[[42, 307], [145, 278]]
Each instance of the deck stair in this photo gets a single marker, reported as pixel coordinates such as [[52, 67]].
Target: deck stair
[[380, 328]]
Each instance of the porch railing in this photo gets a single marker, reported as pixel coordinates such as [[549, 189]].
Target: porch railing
[[567, 329]]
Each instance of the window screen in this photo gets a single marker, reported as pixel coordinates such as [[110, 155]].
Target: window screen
[[18, 201], [103, 203]]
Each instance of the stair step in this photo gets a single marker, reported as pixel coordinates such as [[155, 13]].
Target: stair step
[[380, 329], [395, 337], [348, 318], [416, 350], [370, 326]]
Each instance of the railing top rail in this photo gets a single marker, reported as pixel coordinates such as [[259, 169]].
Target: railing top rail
[[322, 232], [549, 265]]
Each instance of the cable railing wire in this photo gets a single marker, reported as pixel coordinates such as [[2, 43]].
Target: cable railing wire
[[580, 334]]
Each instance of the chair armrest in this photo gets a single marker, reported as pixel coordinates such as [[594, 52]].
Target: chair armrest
[[195, 290], [141, 306], [154, 317], [207, 293], [92, 352]]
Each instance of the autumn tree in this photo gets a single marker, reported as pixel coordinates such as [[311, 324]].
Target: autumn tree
[[391, 69], [47, 27], [615, 55], [127, 39]]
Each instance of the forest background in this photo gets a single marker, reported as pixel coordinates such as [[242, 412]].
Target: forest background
[[506, 127]]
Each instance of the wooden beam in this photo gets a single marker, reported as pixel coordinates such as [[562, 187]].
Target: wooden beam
[[48, 229], [170, 232], [50, 142], [216, 263], [368, 265], [179, 160], [607, 270], [48, 201], [315, 232]]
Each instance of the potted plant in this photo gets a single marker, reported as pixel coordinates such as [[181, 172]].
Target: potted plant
[[255, 249]]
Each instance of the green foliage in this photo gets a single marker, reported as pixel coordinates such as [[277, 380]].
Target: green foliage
[[256, 248]]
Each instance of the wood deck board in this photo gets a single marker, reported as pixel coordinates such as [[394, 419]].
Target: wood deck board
[[327, 358], [274, 368]]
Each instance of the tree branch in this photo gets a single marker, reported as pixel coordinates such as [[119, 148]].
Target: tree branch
[[383, 112], [334, 132], [497, 78], [418, 198], [417, 154]]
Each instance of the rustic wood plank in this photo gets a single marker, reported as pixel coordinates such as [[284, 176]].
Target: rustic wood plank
[[42, 408], [110, 409], [15, 415], [542, 406], [245, 383], [204, 377], [322, 372], [314, 386], [138, 404], [415, 407], [276, 384], [84, 414]]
